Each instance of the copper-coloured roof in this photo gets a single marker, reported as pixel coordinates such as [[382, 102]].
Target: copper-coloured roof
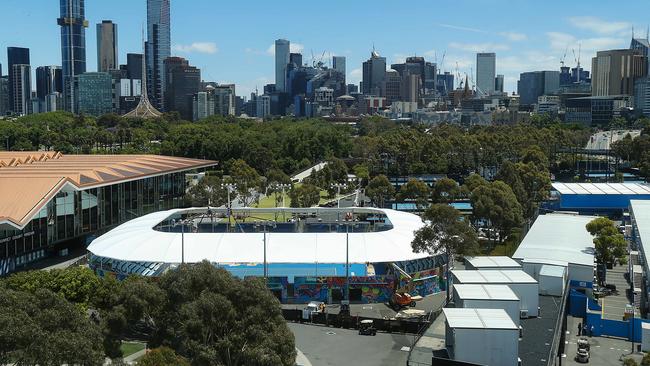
[[28, 180]]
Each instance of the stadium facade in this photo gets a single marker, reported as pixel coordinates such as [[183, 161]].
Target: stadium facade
[[50, 201], [303, 251]]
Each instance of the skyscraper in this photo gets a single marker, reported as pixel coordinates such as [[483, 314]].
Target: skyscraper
[[48, 80], [282, 50], [73, 46], [485, 72], [534, 84], [95, 93], [338, 64], [498, 84], [107, 46], [613, 72], [158, 49], [15, 56], [21, 88], [183, 81], [374, 74]]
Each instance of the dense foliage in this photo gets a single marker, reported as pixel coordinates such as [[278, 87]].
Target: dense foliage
[[202, 313]]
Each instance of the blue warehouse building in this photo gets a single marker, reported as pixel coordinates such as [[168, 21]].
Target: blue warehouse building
[[606, 198]]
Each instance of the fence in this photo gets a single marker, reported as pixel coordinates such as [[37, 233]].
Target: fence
[[353, 321]]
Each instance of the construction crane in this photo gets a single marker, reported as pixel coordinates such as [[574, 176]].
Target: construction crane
[[577, 60], [564, 56]]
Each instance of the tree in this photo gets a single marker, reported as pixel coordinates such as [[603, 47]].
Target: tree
[[610, 244], [536, 156], [247, 181], [75, 284], [305, 195], [471, 183], [274, 179], [445, 230], [363, 174], [43, 328], [162, 356], [415, 190], [498, 205], [212, 318], [379, 190], [445, 190], [209, 191]]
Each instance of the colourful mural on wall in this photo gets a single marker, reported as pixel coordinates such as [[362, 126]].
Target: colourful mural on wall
[[371, 289]]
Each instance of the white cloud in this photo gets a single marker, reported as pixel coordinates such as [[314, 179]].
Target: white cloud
[[514, 36], [560, 42], [598, 25], [197, 47], [293, 48], [511, 35], [479, 47], [355, 76]]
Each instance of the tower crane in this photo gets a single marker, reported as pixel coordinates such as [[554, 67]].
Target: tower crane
[[564, 56]]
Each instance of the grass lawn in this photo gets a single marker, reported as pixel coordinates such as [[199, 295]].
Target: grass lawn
[[129, 348], [269, 201]]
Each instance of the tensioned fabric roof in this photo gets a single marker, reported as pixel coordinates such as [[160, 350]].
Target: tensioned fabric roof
[[558, 238], [28, 180], [137, 241], [602, 188]]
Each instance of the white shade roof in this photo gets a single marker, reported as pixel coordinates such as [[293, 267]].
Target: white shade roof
[[492, 276], [492, 262], [137, 241], [558, 237], [602, 188], [479, 318], [485, 292]]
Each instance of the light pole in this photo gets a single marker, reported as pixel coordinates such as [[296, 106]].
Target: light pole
[[347, 223], [228, 187], [264, 225], [182, 223], [338, 187]]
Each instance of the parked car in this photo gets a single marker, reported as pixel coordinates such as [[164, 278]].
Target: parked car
[[367, 327]]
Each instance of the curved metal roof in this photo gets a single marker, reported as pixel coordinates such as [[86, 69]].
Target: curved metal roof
[[137, 241]]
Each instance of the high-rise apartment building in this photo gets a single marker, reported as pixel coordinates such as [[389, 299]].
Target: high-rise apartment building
[[15, 56], [73, 46], [374, 74], [21, 89], [614, 72], [485, 72], [282, 51], [158, 49], [107, 46], [183, 81]]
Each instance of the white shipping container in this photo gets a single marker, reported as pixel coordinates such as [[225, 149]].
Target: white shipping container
[[552, 280], [523, 285], [488, 297], [494, 263], [482, 336]]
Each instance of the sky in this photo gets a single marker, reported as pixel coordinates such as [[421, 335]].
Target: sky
[[231, 41]]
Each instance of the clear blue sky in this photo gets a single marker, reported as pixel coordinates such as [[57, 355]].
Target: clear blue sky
[[230, 40]]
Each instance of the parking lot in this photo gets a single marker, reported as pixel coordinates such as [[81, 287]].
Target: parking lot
[[324, 346], [604, 351]]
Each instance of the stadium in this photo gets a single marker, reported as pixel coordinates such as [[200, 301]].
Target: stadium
[[303, 252]]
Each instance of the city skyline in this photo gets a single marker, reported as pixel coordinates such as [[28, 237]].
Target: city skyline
[[245, 55]]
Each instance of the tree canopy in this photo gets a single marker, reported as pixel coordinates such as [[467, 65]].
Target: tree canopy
[[610, 243]]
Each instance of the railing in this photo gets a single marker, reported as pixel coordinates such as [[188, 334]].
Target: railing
[[432, 316]]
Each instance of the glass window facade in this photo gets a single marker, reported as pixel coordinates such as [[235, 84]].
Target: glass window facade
[[77, 214]]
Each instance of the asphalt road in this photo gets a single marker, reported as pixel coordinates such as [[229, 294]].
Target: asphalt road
[[324, 346]]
